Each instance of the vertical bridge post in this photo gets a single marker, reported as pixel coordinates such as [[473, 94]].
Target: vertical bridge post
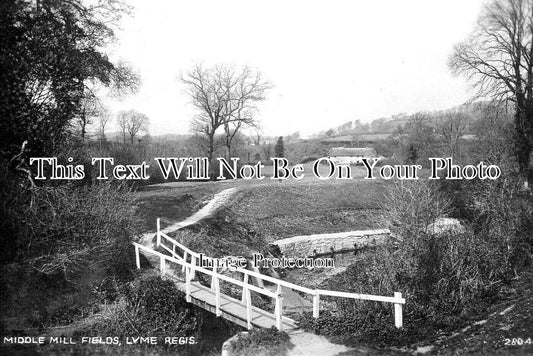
[[248, 309], [316, 305], [163, 266], [158, 232], [215, 284], [398, 317], [188, 284], [246, 298], [279, 309], [243, 298], [193, 264], [184, 260], [137, 257]]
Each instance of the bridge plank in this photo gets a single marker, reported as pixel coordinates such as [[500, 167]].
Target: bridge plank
[[232, 309]]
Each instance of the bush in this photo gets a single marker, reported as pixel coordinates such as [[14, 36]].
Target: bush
[[446, 277], [411, 206], [263, 342], [501, 212], [151, 306], [63, 239], [67, 228]]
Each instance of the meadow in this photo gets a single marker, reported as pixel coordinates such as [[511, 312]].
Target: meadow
[[274, 208]]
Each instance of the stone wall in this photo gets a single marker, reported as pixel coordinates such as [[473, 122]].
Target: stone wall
[[310, 245]]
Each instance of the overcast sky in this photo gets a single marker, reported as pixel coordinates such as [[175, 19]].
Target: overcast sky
[[330, 61]]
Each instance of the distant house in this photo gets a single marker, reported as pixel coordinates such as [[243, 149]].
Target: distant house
[[341, 155], [353, 140]]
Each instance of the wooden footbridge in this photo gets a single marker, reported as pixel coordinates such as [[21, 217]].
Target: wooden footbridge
[[184, 267]]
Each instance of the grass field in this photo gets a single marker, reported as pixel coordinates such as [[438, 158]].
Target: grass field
[[276, 209], [280, 211]]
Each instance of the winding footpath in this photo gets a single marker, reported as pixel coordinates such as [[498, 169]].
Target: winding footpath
[[305, 343]]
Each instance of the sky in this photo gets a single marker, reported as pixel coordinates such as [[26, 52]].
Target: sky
[[329, 61]]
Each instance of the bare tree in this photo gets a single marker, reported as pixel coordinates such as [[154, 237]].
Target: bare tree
[[121, 121], [417, 139], [103, 120], [450, 128], [91, 108], [498, 59], [132, 122], [266, 147], [124, 80], [225, 98]]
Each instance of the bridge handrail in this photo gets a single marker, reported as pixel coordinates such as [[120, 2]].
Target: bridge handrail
[[376, 298], [190, 269], [206, 271], [238, 269]]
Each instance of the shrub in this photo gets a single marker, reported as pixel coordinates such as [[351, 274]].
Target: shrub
[[150, 306], [501, 213], [62, 239], [411, 206], [67, 228], [445, 277]]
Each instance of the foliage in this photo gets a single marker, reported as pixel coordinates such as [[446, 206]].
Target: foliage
[[416, 141], [304, 151], [63, 228], [496, 58], [501, 212], [411, 206], [151, 306], [493, 130], [451, 127], [446, 277], [50, 59], [279, 150], [263, 342]]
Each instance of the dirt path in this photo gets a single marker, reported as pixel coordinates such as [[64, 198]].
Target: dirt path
[[219, 200], [306, 343]]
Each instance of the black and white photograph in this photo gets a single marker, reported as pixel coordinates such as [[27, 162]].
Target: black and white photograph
[[252, 177]]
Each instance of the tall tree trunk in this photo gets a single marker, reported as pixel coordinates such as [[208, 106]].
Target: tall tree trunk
[[523, 146], [83, 124], [210, 151], [228, 147]]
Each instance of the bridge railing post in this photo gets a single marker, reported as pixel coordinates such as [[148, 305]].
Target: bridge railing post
[[185, 260], [279, 309], [188, 284], [248, 309], [316, 305], [398, 316], [243, 298], [162, 265], [137, 257], [193, 264], [213, 278], [217, 296], [158, 232]]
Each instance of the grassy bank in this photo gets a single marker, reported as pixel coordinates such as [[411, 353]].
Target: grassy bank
[[284, 210]]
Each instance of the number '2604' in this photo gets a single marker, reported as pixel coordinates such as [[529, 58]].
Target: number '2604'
[[517, 341]]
